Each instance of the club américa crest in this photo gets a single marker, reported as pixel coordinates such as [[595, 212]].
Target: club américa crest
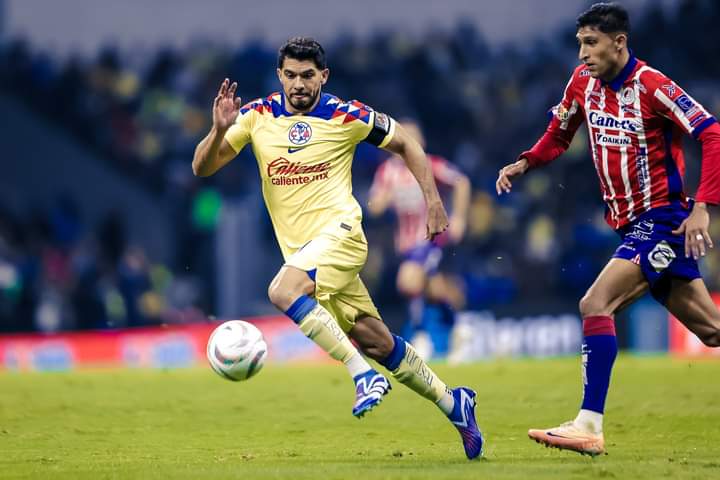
[[300, 133]]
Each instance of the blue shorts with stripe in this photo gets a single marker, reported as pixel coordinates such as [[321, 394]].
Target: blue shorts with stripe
[[649, 242], [427, 254]]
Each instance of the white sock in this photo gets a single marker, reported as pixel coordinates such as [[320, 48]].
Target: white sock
[[446, 403], [357, 365], [589, 421]]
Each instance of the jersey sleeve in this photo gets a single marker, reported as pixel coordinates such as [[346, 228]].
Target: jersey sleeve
[[565, 118], [367, 125], [443, 171], [382, 129], [673, 103], [240, 133], [709, 188]]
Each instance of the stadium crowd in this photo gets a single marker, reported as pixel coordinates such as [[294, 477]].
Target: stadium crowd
[[144, 112]]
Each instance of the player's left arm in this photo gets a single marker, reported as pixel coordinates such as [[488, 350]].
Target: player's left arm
[[672, 102], [403, 144]]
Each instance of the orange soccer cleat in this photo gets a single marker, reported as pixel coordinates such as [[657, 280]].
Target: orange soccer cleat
[[568, 437]]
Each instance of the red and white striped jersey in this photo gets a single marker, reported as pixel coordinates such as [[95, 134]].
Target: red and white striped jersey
[[635, 124], [394, 178]]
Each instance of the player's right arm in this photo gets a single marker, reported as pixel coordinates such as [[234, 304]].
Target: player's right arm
[[403, 144], [214, 151], [671, 102], [566, 117]]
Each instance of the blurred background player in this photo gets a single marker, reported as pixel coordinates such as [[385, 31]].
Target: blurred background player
[[304, 141], [636, 118], [432, 296]]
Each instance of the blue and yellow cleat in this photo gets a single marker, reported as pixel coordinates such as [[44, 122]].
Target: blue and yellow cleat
[[463, 417], [369, 390]]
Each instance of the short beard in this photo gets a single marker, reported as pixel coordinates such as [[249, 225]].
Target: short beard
[[303, 104]]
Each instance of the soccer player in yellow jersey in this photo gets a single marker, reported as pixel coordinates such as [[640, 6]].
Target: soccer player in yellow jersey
[[304, 141]]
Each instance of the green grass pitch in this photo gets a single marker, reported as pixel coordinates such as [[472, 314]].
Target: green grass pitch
[[663, 421]]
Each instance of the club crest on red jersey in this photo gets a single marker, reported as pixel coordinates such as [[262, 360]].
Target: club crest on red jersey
[[627, 97]]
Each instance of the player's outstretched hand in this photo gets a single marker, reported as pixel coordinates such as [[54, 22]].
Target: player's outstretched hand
[[508, 173], [695, 227], [226, 106], [437, 220]]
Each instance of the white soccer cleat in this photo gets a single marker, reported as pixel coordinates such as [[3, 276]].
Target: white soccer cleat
[[568, 437]]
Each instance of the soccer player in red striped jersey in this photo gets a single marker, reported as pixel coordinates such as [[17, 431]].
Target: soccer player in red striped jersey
[[636, 117], [419, 278]]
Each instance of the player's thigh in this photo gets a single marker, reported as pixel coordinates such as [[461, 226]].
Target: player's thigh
[[349, 304], [691, 303], [620, 283], [333, 259], [411, 278]]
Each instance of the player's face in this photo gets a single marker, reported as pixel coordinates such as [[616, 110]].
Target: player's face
[[601, 52], [301, 82]]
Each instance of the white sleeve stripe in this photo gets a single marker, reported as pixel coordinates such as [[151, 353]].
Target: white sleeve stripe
[[390, 134], [679, 114]]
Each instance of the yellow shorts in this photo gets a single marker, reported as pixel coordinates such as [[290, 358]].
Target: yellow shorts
[[337, 255]]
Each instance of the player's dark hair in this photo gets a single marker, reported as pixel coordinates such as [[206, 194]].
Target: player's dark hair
[[606, 17], [303, 48]]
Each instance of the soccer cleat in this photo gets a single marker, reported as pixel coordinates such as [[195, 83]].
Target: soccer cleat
[[463, 417], [568, 437], [369, 390]]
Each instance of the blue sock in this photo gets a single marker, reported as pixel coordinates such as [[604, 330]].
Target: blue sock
[[392, 361], [448, 313], [598, 354], [300, 308], [416, 306]]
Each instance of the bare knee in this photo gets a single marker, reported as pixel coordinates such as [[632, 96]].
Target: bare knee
[[286, 287], [278, 296], [373, 337], [591, 305], [411, 279]]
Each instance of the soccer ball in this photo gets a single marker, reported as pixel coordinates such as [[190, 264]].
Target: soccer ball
[[236, 350]]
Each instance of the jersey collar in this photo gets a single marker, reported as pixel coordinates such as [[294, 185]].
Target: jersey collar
[[617, 82], [324, 108]]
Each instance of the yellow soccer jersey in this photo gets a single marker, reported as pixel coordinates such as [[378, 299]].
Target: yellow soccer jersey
[[305, 161]]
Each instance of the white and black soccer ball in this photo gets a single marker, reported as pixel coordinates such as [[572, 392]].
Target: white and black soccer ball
[[236, 350]]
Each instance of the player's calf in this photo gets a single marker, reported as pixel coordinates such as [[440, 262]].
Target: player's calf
[[410, 369], [712, 340], [692, 304]]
